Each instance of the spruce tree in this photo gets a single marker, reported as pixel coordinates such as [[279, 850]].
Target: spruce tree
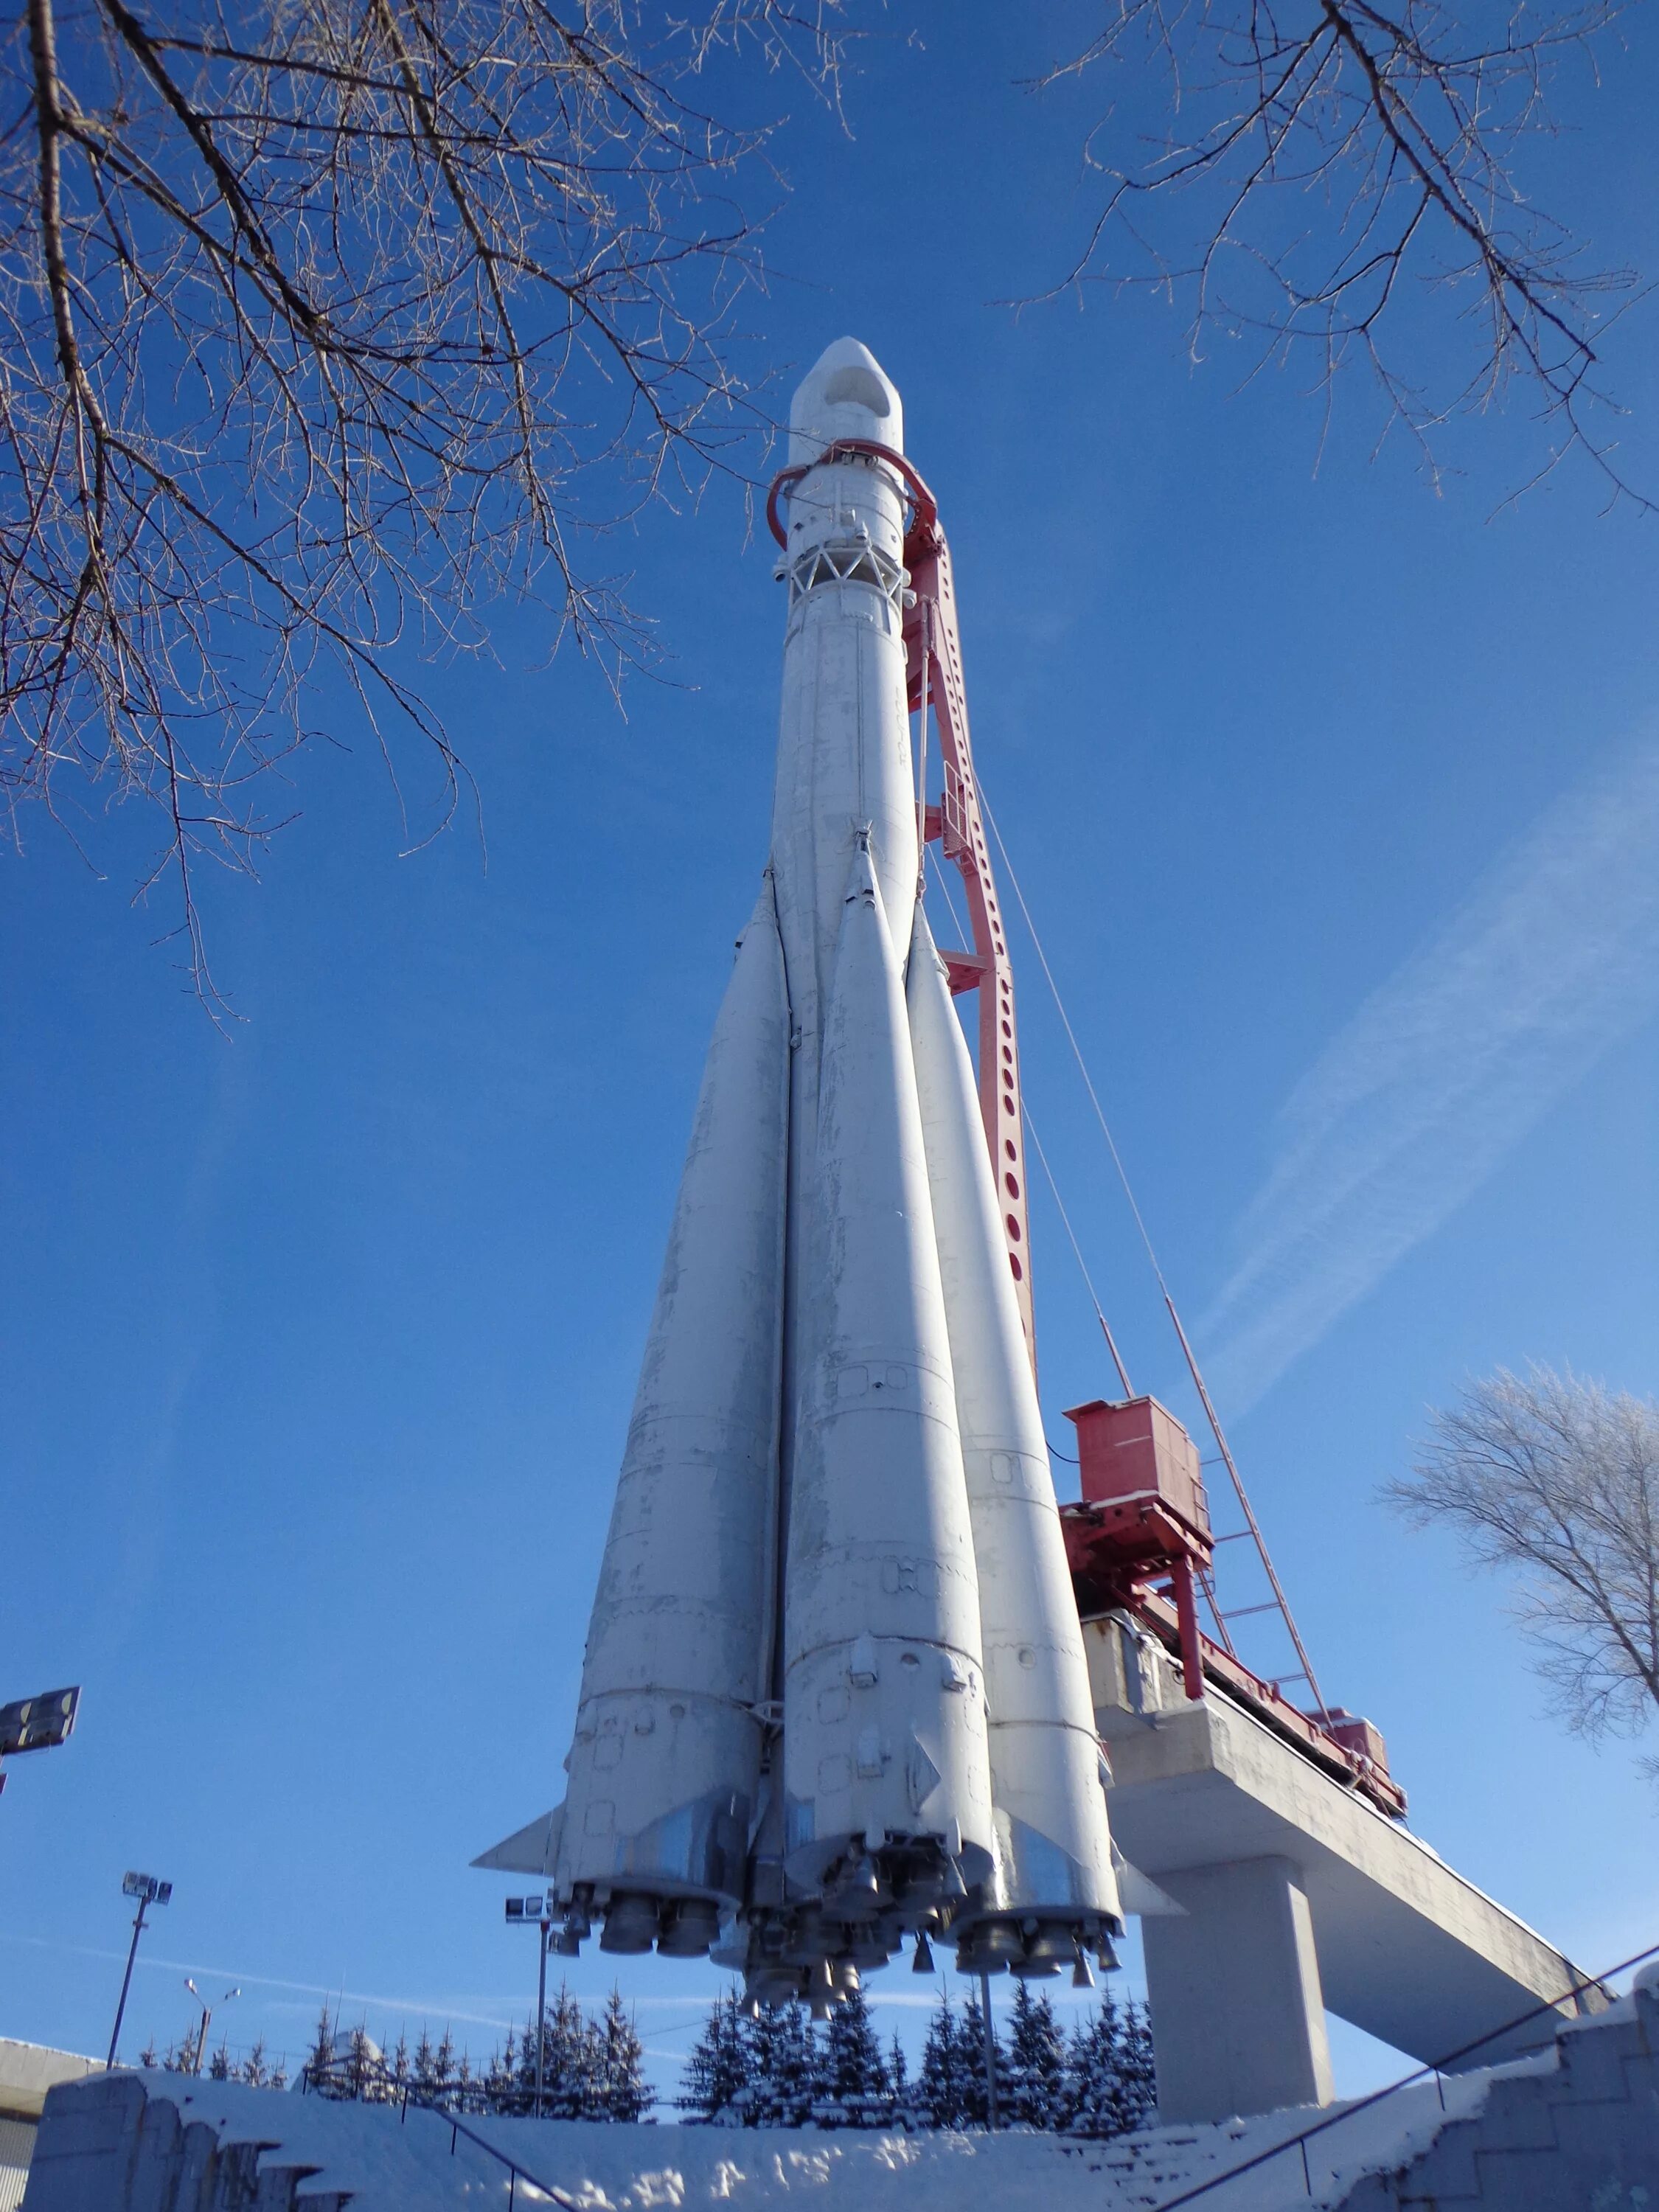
[[971, 2047], [443, 2067], [148, 2056], [941, 2088], [716, 2090], [855, 2089], [781, 2047], [906, 2111], [1032, 2089], [253, 2069], [1109, 2079], [1095, 2085], [396, 2065], [1140, 2070], [501, 2087], [621, 2093], [319, 2060], [219, 2065], [568, 2062]]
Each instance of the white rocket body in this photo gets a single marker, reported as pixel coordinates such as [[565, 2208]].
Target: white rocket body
[[834, 1687], [1053, 1844]]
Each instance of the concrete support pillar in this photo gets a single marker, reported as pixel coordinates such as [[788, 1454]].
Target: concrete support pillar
[[1238, 2019]]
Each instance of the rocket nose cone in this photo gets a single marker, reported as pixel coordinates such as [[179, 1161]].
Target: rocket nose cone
[[846, 394]]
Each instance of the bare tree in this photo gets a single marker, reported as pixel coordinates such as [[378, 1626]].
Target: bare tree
[[1558, 1480], [1333, 159], [325, 323]]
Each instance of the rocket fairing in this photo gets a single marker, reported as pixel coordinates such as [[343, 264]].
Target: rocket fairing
[[834, 1690]]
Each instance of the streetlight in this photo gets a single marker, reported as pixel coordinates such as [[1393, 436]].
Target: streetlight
[[527, 1912], [147, 1890], [207, 2014]]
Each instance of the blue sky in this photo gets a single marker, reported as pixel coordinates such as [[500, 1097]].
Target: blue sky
[[1334, 801]]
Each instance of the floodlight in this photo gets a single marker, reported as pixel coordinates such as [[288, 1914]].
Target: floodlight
[[147, 1890], [38, 1724]]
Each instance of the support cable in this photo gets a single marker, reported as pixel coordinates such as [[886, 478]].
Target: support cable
[[1210, 1413], [1060, 1203]]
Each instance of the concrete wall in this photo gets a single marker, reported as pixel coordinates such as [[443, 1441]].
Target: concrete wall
[[27, 2070], [1581, 2135], [106, 2147]]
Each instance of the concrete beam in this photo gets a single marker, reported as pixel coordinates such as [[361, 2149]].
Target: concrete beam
[[1406, 1949]]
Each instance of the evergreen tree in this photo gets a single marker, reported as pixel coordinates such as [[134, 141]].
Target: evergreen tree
[[568, 2056], [278, 2075], [319, 2060], [942, 2088], [1094, 2086], [500, 2090], [148, 2057], [716, 2090], [1110, 2086], [906, 2108], [396, 2065], [781, 2068], [1032, 2088], [970, 2048], [621, 2093], [443, 2068], [252, 2069], [853, 2089], [1140, 2067], [219, 2065]]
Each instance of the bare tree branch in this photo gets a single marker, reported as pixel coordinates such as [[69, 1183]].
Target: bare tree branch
[[1328, 151], [1558, 1479], [324, 326]]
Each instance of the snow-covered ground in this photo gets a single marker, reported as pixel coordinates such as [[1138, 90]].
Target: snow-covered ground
[[393, 2166]]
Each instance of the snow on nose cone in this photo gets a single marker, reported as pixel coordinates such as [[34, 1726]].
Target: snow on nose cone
[[846, 394]]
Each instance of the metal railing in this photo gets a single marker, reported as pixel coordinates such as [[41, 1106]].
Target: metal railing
[[403, 2094], [1447, 2065]]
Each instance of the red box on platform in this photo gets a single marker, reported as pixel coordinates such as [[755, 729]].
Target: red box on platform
[[1135, 1448], [1354, 1734]]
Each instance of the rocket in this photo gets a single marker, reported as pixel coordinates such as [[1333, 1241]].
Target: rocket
[[834, 1695]]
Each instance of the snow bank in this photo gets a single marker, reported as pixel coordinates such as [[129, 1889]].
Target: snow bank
[[393, 2165]]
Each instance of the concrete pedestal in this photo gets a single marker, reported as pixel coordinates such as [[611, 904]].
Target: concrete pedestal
[[1379, 1927], [1234, 1987]]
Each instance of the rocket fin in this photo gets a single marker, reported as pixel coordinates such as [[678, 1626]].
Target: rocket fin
[[1141, 1894], [882, 1615], [1055, 1847], [528, 1851], [665, 1767]]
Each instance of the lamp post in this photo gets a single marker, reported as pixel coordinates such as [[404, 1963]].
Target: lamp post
[[524, 1913], [990, 2036], [207, 2014], [147, 1890]]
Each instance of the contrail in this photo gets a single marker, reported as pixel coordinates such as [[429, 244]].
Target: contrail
[[1553, 956]]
